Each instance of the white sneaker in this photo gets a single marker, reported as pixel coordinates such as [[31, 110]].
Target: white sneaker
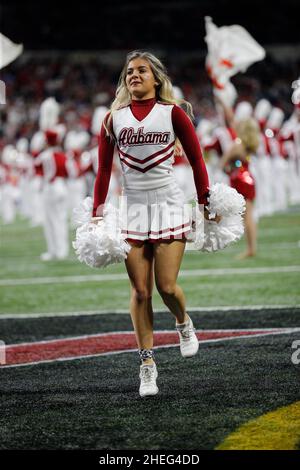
[[148, 376], [189, 343]]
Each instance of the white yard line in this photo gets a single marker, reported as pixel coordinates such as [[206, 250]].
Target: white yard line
[[274, 246], [63, 279], [123, 277], [221, 308]]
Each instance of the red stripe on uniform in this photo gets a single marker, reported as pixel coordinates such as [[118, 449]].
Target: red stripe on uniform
[[130, 232], [144, 170], [170, 229], [135, 233], [179, 236], [134, 159]]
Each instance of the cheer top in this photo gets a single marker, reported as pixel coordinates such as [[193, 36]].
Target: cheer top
[[145, 147], [145, 133]]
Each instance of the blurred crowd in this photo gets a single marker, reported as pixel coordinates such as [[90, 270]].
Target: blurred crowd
[[80, 87], [45, 172]]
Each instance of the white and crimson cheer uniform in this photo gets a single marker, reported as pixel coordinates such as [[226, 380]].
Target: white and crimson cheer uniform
[[145, 134]]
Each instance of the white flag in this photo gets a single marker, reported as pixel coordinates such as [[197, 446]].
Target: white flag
[[9, 51], [231, 49]]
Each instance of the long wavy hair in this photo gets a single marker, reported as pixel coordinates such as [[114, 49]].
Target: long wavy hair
[[248, 132], [164, 89]]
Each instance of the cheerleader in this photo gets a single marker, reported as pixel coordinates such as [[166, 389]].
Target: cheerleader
[[144, 124], [236, 162]]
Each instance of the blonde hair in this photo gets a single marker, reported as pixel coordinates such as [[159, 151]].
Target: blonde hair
[[164, 89], [248, 132]]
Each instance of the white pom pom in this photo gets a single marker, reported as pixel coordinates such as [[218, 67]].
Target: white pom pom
[[225, 201], [219, 235], [83, 214], [196, 236], [102, 244], [209, 235]]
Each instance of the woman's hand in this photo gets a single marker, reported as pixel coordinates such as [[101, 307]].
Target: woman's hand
[[217, 217], [178, 151], [95, 220]]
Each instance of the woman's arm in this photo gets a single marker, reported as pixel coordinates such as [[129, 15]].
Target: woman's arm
[[185, 131], [105, 159]]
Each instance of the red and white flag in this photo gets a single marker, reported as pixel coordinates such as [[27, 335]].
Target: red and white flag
[[231, 49]]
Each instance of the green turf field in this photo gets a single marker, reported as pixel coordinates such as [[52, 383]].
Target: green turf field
[[278, 246], [92, 402]]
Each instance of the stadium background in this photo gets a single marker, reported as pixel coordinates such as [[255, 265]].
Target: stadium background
[[75, 54]]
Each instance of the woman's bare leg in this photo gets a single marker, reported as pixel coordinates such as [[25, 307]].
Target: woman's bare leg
[[250, 231], [167, 261], [139, 265]]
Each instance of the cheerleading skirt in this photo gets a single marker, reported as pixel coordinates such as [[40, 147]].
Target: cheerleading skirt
[[155, 215]]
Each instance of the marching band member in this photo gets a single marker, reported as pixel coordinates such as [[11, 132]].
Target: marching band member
[[54, 164], [279, 166], [75, 143]]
